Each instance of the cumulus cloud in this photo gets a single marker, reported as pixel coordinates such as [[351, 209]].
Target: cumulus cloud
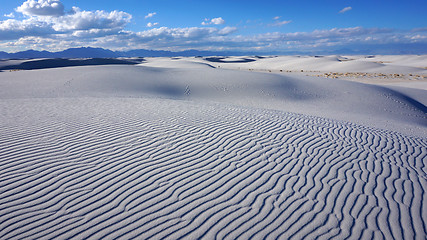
[[47, 17], [215, 21], [10, 15], [14, 29], [346, 9], [42, 8], [277, 17], [150, 15], [170, 38], [90, 33], [152, 24], [85, 20]]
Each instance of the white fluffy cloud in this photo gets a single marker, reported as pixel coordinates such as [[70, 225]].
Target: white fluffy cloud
[[42, 8], [346, 9], [86, 20], [150, 15], [215, 21], [10, 15], [150, 24], [47, 17], [14, 29], [169, 38]]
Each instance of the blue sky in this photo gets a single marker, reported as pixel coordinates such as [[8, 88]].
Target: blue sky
[[234, 25]]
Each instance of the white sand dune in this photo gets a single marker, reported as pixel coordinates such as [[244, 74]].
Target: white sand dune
[[370, 64], [405, 70], [187, 151]]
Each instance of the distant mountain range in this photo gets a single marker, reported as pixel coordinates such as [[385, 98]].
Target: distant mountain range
[[89, 52]]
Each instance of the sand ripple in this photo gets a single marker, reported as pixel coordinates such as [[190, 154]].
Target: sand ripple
[[154, 169]]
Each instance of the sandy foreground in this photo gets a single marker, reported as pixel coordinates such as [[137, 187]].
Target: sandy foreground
[[285, 147]]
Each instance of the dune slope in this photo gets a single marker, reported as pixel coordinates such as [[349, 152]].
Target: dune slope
[[123, 152]]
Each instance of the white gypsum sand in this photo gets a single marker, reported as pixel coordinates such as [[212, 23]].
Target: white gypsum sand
[[173, 148], [404, 70]]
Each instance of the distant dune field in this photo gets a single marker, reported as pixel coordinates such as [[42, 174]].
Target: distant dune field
[[225, 148]]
